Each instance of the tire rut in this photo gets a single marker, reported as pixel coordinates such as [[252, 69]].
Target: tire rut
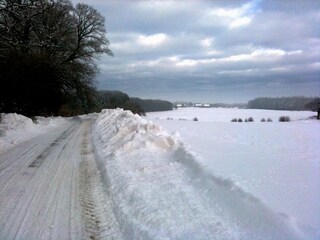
[[97, 214], [39, 160]]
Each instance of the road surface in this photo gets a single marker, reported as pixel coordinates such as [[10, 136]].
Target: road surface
[[50, 188]]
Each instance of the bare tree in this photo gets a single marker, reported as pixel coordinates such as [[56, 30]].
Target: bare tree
[[48, 34]]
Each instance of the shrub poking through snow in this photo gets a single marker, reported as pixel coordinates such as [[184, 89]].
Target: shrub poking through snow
[[263, 120], [195, 119], [246, 120], [238, 120], [250, 119], [284, 119], [269, 120]]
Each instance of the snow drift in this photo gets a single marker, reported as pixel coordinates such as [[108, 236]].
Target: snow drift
[[16, 128], [160, 191]]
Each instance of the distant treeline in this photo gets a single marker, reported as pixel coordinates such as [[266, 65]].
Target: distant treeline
[[226, 105], [285, 103], [151, 105], [115, 99]]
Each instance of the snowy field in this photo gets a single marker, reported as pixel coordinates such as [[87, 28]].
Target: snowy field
[[276, 162], [230, 181]]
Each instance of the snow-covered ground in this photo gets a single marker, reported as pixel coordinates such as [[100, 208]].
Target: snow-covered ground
[[160, 189], [227, 114], [15, 128], [276, 162], [210, 179]]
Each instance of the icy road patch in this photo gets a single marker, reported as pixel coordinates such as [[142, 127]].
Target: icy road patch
[[158, 189]]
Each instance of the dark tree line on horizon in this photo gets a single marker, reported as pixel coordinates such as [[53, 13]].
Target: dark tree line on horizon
[[153, 105], [47, 56], [117, 99], [285, 103]]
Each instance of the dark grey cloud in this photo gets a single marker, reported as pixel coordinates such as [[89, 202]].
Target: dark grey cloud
[[212, 50]]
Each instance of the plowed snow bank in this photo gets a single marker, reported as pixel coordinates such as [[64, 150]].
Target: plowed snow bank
[[15, 128], [160, 191]]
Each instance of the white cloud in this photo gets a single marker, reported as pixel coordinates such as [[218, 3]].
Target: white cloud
[[152, 40], [164, 62], [236, 17], [162, 8], [281, 69], [315, 66], [173, 58], [297, 52], [213, 53], [229, 13], [239, 72], [256, 55], [187, 63], [207, 42], [254, 59], [238, 22]]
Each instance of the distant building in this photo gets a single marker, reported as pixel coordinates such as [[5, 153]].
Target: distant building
[[183, 104]]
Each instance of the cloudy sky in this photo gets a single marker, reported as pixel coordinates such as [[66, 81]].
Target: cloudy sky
[[211, 51]]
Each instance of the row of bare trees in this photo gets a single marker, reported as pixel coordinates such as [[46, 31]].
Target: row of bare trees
[[48, 50]]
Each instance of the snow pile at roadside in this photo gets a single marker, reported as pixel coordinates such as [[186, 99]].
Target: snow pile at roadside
[[16, 128], [160, 191]]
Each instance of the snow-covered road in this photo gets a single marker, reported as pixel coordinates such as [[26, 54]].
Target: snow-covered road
[[50, 188]]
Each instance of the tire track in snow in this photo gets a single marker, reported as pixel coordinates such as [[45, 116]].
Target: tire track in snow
[[17, 180], [97, 214], [61, 196], [38, 203], [37, 193], [13, 166], [38, 161]]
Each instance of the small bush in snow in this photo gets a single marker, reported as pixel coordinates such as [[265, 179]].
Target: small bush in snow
[[250, 119], [263, 120], [246, 120], [269, 120], [284, 119], [234, 120], [195, 119], [239, 119]]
